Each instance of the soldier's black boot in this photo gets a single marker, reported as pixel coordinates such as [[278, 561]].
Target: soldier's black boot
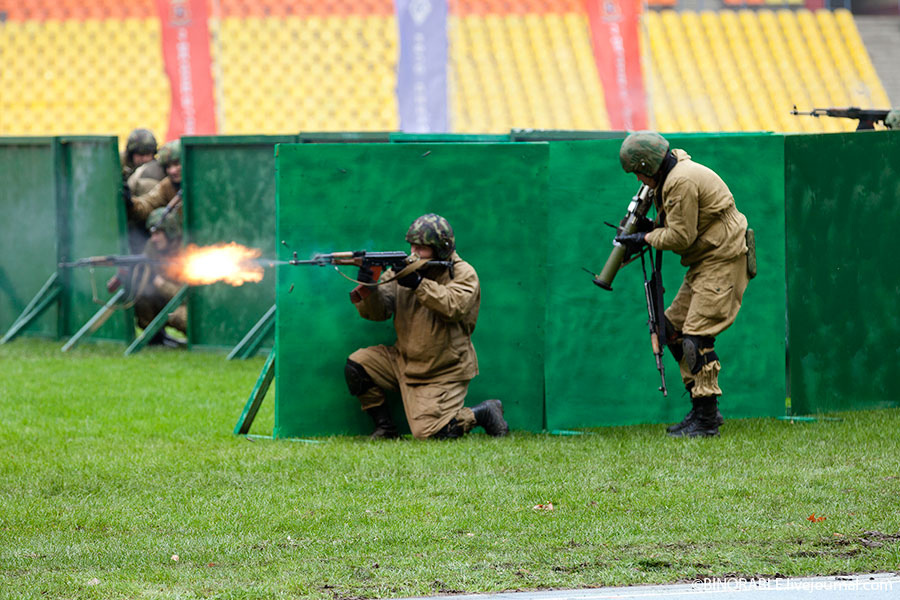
[[692, 414], [384, 424], [489, 414], [704, 422]]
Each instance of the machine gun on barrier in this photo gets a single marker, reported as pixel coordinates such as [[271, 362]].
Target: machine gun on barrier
[[634, 220], [867, 117]]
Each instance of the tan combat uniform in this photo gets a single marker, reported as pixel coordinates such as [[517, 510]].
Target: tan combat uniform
[[705, 228], [145, 178], [159, 196], [433, 359], [151, 298]]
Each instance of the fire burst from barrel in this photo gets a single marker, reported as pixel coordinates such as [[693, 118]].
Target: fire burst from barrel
[[232, 263]]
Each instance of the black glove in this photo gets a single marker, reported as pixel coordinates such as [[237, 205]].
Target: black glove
[[644, 225], [126, 196], [410, 281], [633, 242], [365, 275]]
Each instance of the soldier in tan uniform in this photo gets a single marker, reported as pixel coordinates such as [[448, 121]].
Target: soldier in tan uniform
[[139, 149], [164, 192], [697, 219], [433, 360]]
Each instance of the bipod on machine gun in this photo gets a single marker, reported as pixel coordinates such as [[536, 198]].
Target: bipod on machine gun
[[653, 286], [867, 117]]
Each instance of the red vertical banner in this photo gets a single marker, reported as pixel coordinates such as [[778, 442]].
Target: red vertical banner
[[185, 42], [617, 53]]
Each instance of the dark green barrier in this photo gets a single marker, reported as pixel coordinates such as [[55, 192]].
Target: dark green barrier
[[599, 366], [448, 137], [843, 214], [561, 135], [229, 191], [91, 223], [344, 137], [341, 197], [28, 238]]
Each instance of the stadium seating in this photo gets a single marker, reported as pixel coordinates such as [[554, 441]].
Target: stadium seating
[[282, 66]]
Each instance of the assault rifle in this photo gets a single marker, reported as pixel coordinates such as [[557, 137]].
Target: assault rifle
[[377, 261], [111, 260], [653, 286], [867, 118]]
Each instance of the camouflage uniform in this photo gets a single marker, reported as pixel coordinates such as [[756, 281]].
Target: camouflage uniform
[[152, 296], [145, 177], [140, 141], [433, 359], [163, 192]]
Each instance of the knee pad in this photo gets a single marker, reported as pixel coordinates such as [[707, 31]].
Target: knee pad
[[692, 346], [358, 381], [673, 340]]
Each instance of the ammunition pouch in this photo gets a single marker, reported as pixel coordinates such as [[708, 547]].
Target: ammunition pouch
[[358, 381], [692, 346], [751, 253]]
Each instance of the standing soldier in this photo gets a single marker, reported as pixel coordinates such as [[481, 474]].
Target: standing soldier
[[698, 220], [434, 310]]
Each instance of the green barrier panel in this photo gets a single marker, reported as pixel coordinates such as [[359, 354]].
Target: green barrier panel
[[344, 137], [28, 242], [559, 135], [599, 367], [344, 197], [229, 192], [448, 137], [843, 213], [91, 223]]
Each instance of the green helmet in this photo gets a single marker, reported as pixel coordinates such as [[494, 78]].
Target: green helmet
[[140, 141], [169, 225], [170, 153], [433, 230], [643, 152], [892, 120]]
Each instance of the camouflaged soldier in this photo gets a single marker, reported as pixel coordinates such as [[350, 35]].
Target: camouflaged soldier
[[700, 222], [139, 149], [892, 120], [163, 192], [433, 360], [151, 287]]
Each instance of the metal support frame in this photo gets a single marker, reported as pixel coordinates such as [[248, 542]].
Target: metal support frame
[[248, 346], [35, 308], [97, 321], [266, 376], [158, 322]]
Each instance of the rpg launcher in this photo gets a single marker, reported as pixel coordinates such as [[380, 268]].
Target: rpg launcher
[[867, 118], [653, 286]]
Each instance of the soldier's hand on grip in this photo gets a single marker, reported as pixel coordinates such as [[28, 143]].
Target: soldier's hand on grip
[[365, 275], [633, 242]]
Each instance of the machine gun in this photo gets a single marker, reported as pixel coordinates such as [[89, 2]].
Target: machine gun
[[867, 118], [653, 286], [111, 260], [377, 261]]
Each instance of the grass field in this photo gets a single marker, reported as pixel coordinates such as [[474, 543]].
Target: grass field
[[120, 478]]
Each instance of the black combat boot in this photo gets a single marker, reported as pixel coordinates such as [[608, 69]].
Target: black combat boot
[[384, 424], [489, 414], [692, 414], [704, 422]]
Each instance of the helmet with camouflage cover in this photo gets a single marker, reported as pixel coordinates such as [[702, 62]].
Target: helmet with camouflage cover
[[643, 152], [170, 153], [169, 225], [433, 230], [140, 141], [892, 120]]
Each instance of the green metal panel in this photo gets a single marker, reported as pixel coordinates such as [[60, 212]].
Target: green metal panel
[[28, 240], [599, 367], [229, 196], [91, 222], [558, 135], [344, 137], [355, 197], [843, 213], [449, 137]]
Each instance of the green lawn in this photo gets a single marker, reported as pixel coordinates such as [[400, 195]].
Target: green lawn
[[111, 467]]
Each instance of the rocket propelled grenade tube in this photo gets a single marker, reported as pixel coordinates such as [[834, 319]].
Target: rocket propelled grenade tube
[[637, 209]]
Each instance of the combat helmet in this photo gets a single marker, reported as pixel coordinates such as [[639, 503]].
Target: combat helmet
[[140, 141], [170, 153], [433, 230], [169, 224], [643, 152], [892, 120]]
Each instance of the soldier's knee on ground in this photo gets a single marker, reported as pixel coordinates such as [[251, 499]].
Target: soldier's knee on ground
[[358, 381]]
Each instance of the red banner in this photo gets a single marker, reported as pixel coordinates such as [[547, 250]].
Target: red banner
[[185, 42], [614, 33]]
